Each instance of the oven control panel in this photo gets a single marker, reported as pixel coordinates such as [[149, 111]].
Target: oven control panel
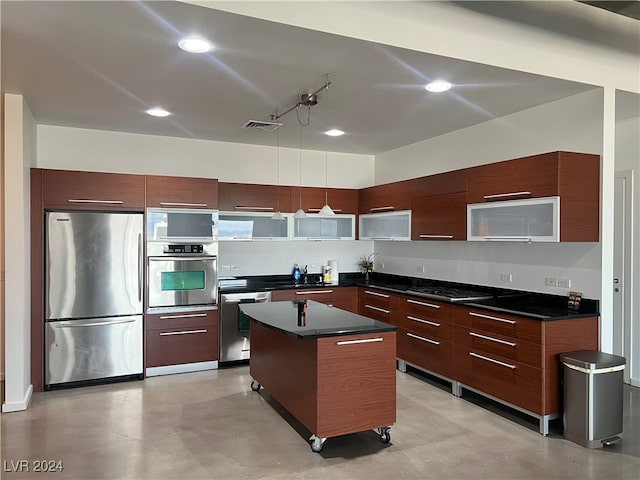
[[183, 248]]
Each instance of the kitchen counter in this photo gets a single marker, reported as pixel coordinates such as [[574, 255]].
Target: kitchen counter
[[538, 306], [319, 321]]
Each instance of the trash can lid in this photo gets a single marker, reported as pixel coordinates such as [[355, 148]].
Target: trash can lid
[[592, 359]]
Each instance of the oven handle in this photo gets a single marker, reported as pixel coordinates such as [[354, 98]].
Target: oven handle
[[182, 259]]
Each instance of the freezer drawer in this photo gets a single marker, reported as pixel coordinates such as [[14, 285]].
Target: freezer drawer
[[89, 349]]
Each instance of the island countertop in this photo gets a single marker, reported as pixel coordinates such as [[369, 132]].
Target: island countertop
[[319, 321]]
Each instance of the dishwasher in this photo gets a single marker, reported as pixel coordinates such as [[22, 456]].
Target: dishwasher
[[234, 325]]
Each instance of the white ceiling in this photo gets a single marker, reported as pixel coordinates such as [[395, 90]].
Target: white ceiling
[[100, 65]]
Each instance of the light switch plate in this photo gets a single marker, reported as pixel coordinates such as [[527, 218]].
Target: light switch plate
[[564, 283], [551, 282]]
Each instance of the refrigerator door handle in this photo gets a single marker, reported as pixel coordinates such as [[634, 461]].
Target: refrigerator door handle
[[140, 268], [76, 323]]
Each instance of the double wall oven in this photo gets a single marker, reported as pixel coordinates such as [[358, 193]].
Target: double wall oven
[[182, 257]]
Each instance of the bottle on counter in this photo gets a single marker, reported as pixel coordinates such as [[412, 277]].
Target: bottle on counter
[[296, 273]]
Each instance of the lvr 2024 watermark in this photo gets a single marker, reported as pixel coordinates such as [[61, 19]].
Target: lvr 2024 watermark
[[32, 466]]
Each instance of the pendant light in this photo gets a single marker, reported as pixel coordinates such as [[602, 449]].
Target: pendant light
[[277, 215], [326, 210], [300, 213]]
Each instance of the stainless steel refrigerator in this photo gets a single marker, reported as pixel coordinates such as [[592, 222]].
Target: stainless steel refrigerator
[[93, 296]]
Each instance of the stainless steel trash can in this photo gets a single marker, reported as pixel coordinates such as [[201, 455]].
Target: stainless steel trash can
[[592, 389]]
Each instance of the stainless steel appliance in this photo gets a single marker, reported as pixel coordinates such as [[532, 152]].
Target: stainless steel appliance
[[234, 325], [93, 296]]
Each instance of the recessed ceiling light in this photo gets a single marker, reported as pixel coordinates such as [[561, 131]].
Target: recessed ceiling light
[[158, 112], [438, 86], [195, 45], [334, 132]]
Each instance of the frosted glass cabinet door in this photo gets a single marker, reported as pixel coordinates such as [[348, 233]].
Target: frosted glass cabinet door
[[318, 227], [252, 226], [386, 226], [531, 220]]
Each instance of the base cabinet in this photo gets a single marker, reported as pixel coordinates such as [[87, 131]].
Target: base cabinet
[[181, 338]]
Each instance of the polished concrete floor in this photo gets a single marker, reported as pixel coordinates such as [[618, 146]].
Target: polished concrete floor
[[210, 425]]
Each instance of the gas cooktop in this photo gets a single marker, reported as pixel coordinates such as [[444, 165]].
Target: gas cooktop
[[450, 294]]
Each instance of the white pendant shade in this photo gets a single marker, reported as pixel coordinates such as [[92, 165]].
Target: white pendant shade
[[277, 216], [300, 214], [326, 211]]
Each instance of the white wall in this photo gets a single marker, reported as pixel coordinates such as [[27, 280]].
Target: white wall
[[572, 124], [19, 156], [628, 158], [105, 151]]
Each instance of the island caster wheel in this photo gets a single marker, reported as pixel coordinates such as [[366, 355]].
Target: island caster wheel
[[385, 434], [317, 443], [255, 386]]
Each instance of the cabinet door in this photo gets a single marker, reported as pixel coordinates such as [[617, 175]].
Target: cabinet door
[[346, 298], [439, 184], [182, 192], [535, 176], [249, 197], [312, 199], [394, 225], [439, 217], [317, 227], [92, 190], [385, 198]]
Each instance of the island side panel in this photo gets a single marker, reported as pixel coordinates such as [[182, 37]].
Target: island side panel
[[356, 384], [562, 336], [286, 367]]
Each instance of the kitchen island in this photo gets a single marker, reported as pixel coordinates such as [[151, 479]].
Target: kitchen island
[[333, 370]]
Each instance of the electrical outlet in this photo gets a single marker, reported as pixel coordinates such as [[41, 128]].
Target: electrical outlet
[[420, 269], [235, 268], [564, 283], [551, 282], [381, 265], [226, 267], [506, 277]]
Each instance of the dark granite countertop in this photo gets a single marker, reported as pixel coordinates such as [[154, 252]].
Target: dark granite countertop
[[539, 306], [319, 321]]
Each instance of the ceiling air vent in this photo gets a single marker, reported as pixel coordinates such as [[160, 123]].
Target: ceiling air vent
[[262, 125]]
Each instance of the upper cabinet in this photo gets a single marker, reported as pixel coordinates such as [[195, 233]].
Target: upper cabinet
[[573, 177], [312, 199], [439, 207], [395, 225], [249, 197], [181, 192], [385, 198], [92, 190]]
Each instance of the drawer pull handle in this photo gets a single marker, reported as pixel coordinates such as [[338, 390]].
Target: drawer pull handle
[[425, 235], [109, 202], [369, 292], [502, 195], [186, 315], [183, 204], [378, 309], [491, 339], [364, 340], [423, 339], [424, 304], [497, 319], [314, 292], [507, 237], [247, 207], [382, 209], [183, 332], [423, 321], [497, 362]]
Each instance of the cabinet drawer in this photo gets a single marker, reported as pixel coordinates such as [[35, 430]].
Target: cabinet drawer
[[427, 309], [320, 294], [375, 298], [509, 326], [92, 190], [158, 321], [424, 326], [175, 346], [512, 382], [427, 352], [513, 350]]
